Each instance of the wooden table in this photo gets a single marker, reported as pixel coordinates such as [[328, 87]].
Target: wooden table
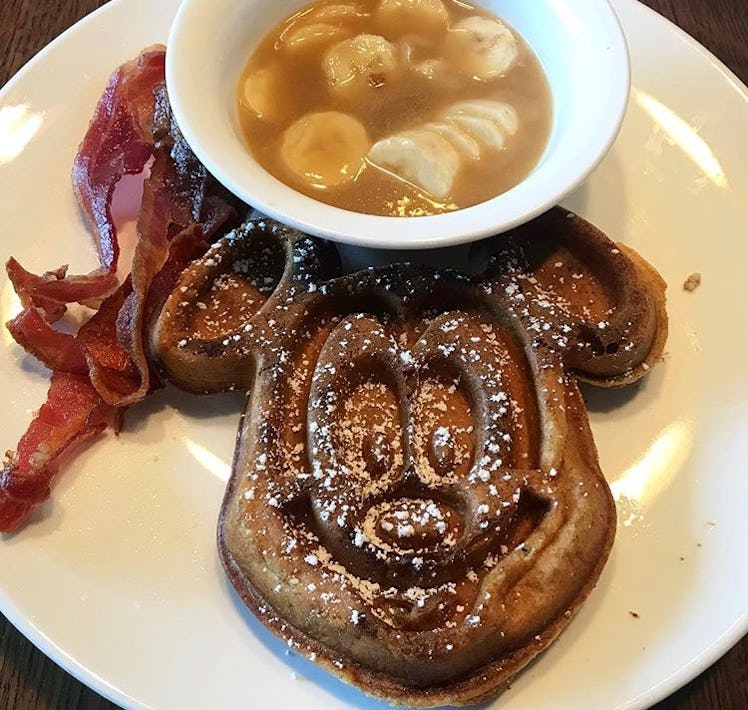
[[29, 680]]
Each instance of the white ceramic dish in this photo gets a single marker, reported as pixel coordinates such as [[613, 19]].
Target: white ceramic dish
[[579, 42], [118, 579]]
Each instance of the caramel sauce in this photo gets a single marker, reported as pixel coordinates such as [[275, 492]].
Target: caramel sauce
[[285, 82]]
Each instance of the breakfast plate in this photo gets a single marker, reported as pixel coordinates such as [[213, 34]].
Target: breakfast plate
[[118, 579]]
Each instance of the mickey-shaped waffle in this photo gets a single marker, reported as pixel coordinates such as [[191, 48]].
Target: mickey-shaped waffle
[[416, 501]]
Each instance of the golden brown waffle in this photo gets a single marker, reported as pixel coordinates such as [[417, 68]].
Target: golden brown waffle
[[415, 502], [597, 302]]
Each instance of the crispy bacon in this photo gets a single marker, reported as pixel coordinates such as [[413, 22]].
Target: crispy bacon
[[118, 142], [29, 288], [173, 196], [73, 413], [58, 351], [104, 368], [109, 366]]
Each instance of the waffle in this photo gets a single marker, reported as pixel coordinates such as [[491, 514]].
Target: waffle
[[416, 502], [597, 302]]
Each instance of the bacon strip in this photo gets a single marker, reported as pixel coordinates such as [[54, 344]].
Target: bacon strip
[[72, 414], [118, 142], [179, 198], [172, 201], [109, 365], [29, 288], [105, 368], [58, 351]]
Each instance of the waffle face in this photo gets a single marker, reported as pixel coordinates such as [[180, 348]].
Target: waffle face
[[415, 502]]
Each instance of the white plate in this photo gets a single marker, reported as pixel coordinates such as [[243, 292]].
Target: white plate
[[118, 579]]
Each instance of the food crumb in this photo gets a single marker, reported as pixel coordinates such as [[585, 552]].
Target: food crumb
[[634, 614], [692, 282]]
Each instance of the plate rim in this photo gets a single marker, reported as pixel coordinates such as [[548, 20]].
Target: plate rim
[[667, 686]]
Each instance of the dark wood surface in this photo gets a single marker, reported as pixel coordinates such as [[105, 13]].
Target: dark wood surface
[[29, 680]]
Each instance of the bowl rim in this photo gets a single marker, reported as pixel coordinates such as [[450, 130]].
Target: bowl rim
[[461, 226]]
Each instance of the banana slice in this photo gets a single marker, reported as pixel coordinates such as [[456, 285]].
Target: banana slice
[[321, 26], [396, 17], [429, 68], [438, 73], [363, 62], [488, 122], [325, 149], [310, 36], [465, 145], [430, 155], [424, 158], [337, 13], [260, 92], [481, 129], [481, 46], [502, 114]]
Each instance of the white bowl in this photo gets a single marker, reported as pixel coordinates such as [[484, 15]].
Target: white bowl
[[579, 42]]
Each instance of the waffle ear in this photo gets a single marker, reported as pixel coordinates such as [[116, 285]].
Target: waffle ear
[[598, 303], [206, 335]]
